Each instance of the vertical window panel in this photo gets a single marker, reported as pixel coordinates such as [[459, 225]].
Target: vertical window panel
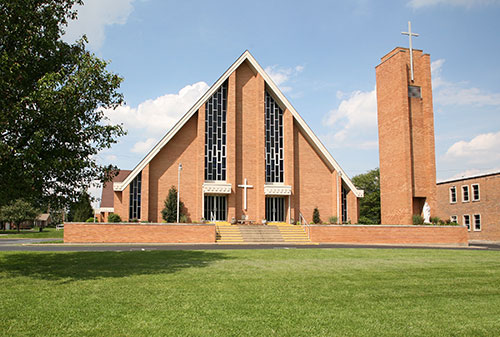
[[215, 135], [135, 198], [273, 140]]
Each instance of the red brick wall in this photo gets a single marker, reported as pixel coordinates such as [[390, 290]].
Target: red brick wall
[[445, 235], [138, 233], [488, 205], [406, 136]]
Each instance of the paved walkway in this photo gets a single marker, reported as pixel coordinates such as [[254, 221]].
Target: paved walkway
[[26, 245]]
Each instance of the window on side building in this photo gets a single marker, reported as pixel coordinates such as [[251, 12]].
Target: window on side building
[[466, 219], [465, 193], [477, 222], [454, 218], [453, 194], [475, 192]]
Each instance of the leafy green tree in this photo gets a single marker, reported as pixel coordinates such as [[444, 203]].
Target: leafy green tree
[[316, 217], [169, 213], [81, 210], [52, 100], [369, 206], [18, 211]]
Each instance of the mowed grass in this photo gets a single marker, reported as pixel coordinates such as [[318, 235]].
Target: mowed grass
[[280, 292], [32, 234]]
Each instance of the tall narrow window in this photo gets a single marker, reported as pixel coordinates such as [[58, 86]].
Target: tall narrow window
[[215, 135], [465, 193], [475, 192], [135, 198], [467, 221], [344, 204], [273, 141], [477, 222], [453, 194]]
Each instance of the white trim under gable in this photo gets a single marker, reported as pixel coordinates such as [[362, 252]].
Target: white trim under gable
[[246, 56]]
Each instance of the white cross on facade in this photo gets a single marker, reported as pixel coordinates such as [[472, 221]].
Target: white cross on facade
[[245, 186], [410, 34]]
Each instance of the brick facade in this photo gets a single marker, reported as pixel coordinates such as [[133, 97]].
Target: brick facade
[[138, 233], [487, 206], [313, 180], [405, 235], [406, 137]]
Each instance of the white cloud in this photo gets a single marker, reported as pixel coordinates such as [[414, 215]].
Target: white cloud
[[281, 75], [144, 146], [111, 158], [458, 3], [449, 93], [354, 121], [157, 116], [95, 191], [482, 149], [93, 18]]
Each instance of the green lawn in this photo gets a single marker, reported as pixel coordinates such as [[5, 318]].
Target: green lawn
[[33, 233], [294, 292]]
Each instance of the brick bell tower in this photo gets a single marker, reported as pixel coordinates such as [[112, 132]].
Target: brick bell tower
[[406, 135]]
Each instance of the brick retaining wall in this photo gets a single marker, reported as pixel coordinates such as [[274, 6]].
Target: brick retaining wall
[[382, 234], [138, 233]]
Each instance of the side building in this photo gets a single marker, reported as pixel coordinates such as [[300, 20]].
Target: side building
[[474, 202], [246, 154]]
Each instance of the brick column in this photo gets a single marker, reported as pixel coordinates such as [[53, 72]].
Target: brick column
[[231, 146], [145, 194]]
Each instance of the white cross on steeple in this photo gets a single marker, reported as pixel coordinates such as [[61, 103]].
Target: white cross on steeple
[[245, 186], [410, 34]]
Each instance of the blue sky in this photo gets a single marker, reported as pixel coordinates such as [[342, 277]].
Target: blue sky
[[322, 54]]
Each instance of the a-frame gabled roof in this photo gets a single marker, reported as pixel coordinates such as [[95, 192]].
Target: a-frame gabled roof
[[246, 56]]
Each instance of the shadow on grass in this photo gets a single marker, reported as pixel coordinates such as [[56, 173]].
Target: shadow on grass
[[76, 266]]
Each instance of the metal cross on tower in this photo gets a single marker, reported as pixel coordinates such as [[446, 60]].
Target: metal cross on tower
[[410, 34]]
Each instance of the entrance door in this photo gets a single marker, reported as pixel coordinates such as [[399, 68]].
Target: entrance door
[[275, 209], [215, 208]]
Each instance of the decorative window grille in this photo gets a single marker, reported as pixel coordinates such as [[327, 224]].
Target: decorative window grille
[[467, 221], [344, 204], [215, 135], [475, 192], [215, 208], [273, 140], [465, 193], [135, 198], [477, 222], [453, 194], [275, 209]]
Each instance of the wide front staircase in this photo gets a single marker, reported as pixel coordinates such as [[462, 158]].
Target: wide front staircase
[[261, 234]]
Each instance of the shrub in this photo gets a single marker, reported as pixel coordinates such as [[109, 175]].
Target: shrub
[[333, 219], [316, 217], [134, 220], [435, 220], [113, 217], [169, 212], [183, 218], [418, 219], [90, 219]]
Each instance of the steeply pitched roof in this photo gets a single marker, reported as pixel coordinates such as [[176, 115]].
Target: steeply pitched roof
[[43, 217], [107, 198], [246, 56]]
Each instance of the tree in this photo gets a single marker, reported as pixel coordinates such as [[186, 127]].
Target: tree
[[369, 206], [17, 212], [316, 218], [169, 213], [52, 100], [81, 210]]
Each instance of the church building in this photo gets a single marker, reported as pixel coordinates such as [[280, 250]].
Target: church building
[[241, 152]]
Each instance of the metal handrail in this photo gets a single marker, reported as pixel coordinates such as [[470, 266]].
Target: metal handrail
[[306, 224]]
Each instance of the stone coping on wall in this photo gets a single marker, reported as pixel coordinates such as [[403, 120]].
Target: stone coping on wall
[[395, 226], [141, 223]]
